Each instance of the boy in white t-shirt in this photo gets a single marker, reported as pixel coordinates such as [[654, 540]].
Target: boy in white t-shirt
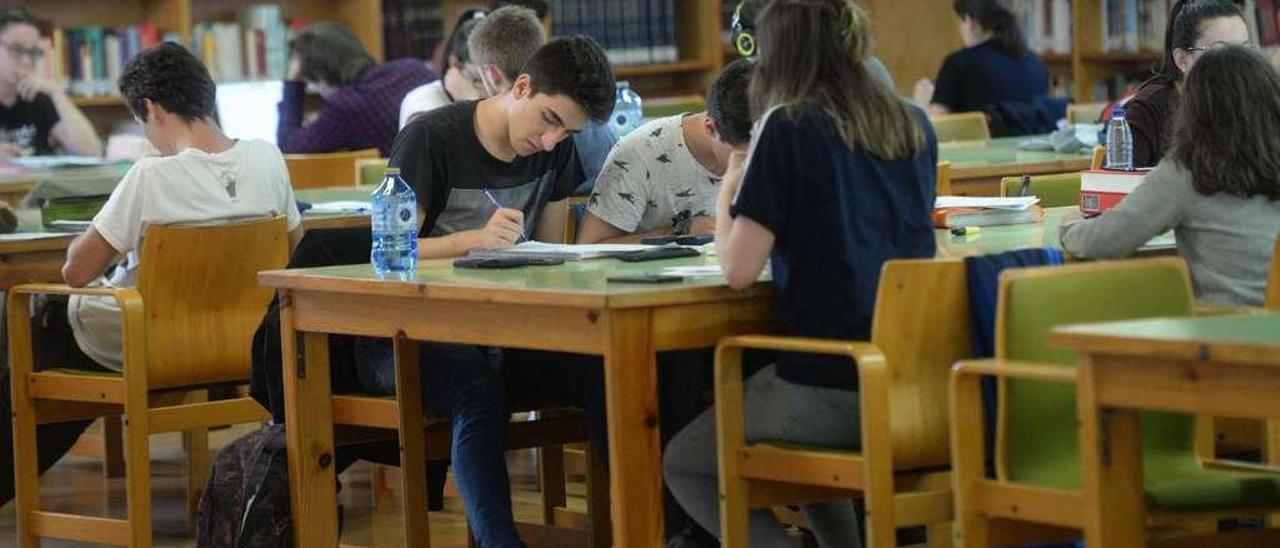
[[203, 176], [661, 179]]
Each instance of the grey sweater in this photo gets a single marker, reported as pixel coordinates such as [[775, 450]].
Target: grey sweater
[[1226, 240]]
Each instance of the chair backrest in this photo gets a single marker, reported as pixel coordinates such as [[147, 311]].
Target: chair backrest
[[1056, 190], [199, 287], [1099, 157], [1085, 113], [1273, 279], [921, 324], [964, 126], [370, 171], [942, 184], [1037, 424], [326, 170]]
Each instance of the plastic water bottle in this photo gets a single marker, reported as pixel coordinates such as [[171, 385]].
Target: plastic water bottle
[[1119, 142], [395, 226], [627, 114]]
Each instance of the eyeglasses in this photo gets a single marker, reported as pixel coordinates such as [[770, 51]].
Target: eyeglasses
[[1217, 45], [18, 52]]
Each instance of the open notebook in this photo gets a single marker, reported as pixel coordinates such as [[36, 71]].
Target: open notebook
[[568, 252]]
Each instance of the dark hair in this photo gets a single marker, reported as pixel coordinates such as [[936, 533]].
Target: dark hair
[[1225, 127], [816, 50], [170, 76], [16, 15], [538, 6], [728, 105], [1185, 20], [995, 18], [576, 67], [748, 10], [507, 38], [457, 44], [329, 53]]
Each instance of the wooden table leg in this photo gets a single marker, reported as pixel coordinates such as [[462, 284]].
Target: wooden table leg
[[309, 432], [413, 443], [1110, 466], [635, 461]]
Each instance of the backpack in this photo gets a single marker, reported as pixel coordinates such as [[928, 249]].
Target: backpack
[[246, 500]]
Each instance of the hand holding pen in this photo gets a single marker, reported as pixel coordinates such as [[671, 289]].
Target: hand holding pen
[[506, 224]]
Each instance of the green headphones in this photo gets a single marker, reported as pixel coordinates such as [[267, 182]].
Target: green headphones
[[743, 39]]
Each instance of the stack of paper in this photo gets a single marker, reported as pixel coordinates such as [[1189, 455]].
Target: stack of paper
[[568, 252], [341, 206], [1015, 203], [710, 271]]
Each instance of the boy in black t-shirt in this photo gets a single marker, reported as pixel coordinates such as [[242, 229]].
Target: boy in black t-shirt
[[514, 147], [35, 112]]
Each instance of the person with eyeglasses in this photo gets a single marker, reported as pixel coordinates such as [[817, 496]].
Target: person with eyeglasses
[[1195, 26], [36, 115], [460, 78]]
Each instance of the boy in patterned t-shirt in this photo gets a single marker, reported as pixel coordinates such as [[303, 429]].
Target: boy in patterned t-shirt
[[661, 179]]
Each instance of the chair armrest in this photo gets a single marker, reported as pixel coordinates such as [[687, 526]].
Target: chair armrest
[[1021, 370], [855, 350], [124, 296], [132, 326]]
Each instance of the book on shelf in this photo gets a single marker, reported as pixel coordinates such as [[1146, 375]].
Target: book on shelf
[[631, 32], [413, 28], [88, 61], [1046, 24], [253, 48], [1132, 26]]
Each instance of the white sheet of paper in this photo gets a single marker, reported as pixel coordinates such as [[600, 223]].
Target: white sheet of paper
[[340, 206], [1016, 203], [21, 236]]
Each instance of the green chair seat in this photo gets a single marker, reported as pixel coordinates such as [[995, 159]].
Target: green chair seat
[[1175, 483], [1058, 190]]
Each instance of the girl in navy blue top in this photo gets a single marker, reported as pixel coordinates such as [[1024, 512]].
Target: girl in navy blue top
[[839, 179], [994, 68]]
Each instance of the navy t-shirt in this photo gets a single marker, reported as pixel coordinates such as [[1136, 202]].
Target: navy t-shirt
[[836, 215], [974, 79]]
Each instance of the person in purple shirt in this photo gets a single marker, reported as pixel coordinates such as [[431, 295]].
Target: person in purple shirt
[[361, 98]]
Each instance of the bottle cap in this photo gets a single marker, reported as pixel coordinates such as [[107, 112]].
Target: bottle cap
[[1118, 111], [392, 171]]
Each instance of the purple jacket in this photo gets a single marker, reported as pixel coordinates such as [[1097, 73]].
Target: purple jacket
[[362, 114]]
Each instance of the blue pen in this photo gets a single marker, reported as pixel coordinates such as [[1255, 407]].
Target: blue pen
[[499, 206]]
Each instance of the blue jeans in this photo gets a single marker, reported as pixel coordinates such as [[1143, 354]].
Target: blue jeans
[[463, 383]]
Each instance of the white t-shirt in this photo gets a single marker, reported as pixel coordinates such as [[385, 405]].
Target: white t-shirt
[[650, 180], [247, 181], [422, 99]]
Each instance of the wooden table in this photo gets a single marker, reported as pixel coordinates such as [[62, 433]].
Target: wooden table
[[978, 166], [40, 260], [563, 308], [997, 239], [1220, 366]]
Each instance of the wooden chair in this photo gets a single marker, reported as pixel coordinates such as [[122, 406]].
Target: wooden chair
[[1099, 157], [1085, 113], [942, 186], [326, 170], [571, 219], [963, 126], [186, 326], [1038, 455], [1056, 190], [901, 471], [370, 171]]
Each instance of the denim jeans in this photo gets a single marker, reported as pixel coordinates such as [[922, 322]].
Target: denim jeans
[[776, 410]]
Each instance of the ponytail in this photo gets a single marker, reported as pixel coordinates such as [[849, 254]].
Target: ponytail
[[1183, 30]]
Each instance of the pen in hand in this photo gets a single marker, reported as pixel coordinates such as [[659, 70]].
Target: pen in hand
[[489, 195]]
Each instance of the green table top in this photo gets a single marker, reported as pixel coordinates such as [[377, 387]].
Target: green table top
[[574, 283], [1001, 151], [1251, 338]]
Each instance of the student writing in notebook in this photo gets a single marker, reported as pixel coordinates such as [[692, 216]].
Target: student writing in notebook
[[662, 178], [516, 146], [839, 179], [1218, 187], [36, 115]]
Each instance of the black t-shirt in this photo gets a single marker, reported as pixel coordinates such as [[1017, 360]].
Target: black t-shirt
[[441, 157], [976, 78], [836, 215], [27, 124]]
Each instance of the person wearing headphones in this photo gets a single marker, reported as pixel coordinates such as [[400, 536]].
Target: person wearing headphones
[[744, 37]]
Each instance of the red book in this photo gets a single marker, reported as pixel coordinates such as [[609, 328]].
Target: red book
[[1102, 189]]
